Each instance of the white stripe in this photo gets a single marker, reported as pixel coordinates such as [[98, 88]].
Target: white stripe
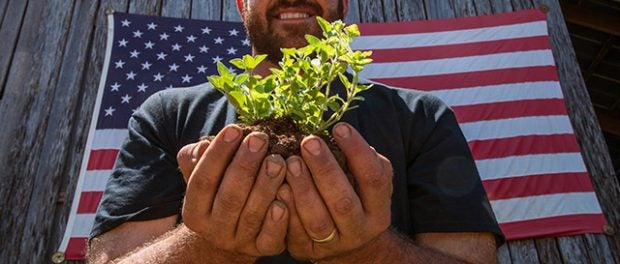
[[83, 225], [500, 93], [518, 166], [96, 180], [514, 127], [530, 29], [535, 207], [109, 138], [458, 65]]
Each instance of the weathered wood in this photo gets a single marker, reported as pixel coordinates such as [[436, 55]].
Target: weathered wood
[[144, 7], [13, 14], [3, 5], [410, 10], [390, 13], [229, 11], [207, 9], [353, 14], [547, 249], [371, 11], [522, 4], [598, 248], [483, 7], [573, 250], [583, 119], [438, 9], [503, 255], [175, 8], [523, 251], [30, 199], [501, 6], [463, 8]]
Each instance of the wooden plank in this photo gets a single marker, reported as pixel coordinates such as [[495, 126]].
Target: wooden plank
[[3, 5], [206, 9], [523, 251], [410, 10], [11, 26], [584, 121], [390, 13], [353, 14], [30, 99], [522, 4], [483, 7], [548, 251], [438, 9], [501, 6], [144, 7], [176, 8], [372, 11], [464, 8], [573, 250], [503, 255], [229, 11], [598, 248]]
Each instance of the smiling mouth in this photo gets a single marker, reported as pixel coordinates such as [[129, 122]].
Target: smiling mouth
[[293, 15]]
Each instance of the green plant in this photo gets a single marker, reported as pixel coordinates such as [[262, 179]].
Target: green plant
[[301, 87]]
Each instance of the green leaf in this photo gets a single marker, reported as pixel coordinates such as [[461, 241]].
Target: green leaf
[[324, 24], [312, 40], [238, 63], [237, 99], [352, 30], [241, 79], [344, 80], [333, 105]]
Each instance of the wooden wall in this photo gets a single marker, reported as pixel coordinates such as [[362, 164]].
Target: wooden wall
[[51, 55]]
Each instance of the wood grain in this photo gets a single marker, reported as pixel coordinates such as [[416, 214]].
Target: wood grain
[[548, 251], [371, 11], [13, 15], [523, 252], [229, 11], [353, 14], [145, 7], [206, 9], [411, 10], [175, 8]]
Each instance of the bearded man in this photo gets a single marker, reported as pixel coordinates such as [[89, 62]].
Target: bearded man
[[418, 197]]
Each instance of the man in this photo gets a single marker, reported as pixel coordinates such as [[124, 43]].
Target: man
[[234, 203]]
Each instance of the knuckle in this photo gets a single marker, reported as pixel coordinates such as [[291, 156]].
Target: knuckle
[[320, 228], [230, 202], [344, 206], [253, 220]]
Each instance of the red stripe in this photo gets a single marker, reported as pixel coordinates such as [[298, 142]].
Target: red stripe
[[503, 110], [555, 226], [76, 249], [89, 202], [460, 50], [473, 79], [537, 185], [102, 159], [452, 24], [523, 145]]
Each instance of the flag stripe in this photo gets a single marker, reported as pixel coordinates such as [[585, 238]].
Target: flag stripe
[[514, 127], [518, 146], [566, 225], [96, 180], [390, 28], [89, 202], [500, 93], [395, 41], [109, 138], [76, 248], [102, 159], [474, 78], [458, 65], [517, 166], [461, 50], [543, 206], [538, 185], [503, 110], [83, 224]]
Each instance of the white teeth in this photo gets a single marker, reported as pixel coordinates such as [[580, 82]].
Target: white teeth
[[293, 15]]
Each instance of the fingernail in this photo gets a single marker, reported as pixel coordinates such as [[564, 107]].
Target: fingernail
[[231, 134], [256, 143], [342, 130], [283, 195], [195, 151], [313, 146], [273, 168], [277, 211], [294, 167]]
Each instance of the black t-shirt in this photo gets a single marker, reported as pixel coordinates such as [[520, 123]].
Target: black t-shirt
[[436, 184]]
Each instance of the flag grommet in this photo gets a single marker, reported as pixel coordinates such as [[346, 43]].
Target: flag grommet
[[609, 230], [58, 257]]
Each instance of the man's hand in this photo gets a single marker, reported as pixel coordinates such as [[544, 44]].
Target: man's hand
[[231, 188], [328, 218]]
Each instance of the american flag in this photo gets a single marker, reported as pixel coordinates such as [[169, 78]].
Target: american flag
[[497, 72]]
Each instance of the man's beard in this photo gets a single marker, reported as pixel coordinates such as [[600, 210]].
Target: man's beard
[[267, 40]]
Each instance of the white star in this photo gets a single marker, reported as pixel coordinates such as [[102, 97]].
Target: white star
[[115, 87], [142, 87], [176, 46], [202, 69], [119, 64], [137, 34], [133, 111], [169, 87], [163, 36], [189, 57], [134, 54], [186, 78], [146, 65], [152, 26], [232, 51], [125, 23], [178, 28], [191, 38], [125, 99], [109, 111], [173, 67], [216, 59], [161, 56], [233, 32], [206, 30], [218, 40], [149, 45], [131, 75], [158, 77], [122, 43], [204, 49], [245, 42]]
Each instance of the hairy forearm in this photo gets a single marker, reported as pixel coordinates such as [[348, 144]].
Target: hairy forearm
[[182, 245]]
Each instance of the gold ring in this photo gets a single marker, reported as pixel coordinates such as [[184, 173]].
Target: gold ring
[[331, 237]]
